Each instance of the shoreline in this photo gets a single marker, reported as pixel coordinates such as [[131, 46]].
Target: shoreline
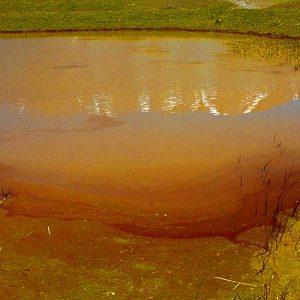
[[151, 29]]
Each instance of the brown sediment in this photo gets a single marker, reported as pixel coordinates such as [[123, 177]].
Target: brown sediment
[[73, 66], [256, 209], [243, 219], [92, 123], [229, 226], [100, 121], [74, 30], [159, 218]]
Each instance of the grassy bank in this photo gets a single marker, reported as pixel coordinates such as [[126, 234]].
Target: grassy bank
[[283, 18]]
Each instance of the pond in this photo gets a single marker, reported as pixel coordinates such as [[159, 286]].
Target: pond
[[156, 135], [143, 164]]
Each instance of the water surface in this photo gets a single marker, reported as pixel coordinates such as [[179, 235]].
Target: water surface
[[157, 135]]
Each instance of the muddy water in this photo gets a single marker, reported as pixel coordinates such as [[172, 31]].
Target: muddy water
[[169, 136]]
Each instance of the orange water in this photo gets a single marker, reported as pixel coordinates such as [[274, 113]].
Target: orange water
[[161, 136]]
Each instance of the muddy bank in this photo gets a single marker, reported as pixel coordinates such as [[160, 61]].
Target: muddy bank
[[149, 29]]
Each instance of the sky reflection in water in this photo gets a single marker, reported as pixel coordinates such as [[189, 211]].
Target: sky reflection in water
[[109, 76]]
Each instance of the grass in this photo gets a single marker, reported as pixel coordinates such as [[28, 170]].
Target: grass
[[280, 277], [282, 19]]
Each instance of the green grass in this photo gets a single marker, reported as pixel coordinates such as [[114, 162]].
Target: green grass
[[283, 18]]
